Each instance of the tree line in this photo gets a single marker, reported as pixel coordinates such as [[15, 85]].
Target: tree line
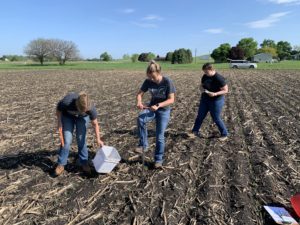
[[179, 56], [246, 48], [61, 50]]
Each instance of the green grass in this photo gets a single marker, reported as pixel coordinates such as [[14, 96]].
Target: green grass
[[127, 65]]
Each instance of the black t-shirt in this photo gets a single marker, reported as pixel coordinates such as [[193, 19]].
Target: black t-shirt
[[213, 83], [159, 92], [68, 107]]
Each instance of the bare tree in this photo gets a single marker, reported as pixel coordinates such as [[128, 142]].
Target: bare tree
[[63, 50], [39, 49]]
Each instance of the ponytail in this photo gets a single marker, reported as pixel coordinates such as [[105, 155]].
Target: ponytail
[[153, 67]]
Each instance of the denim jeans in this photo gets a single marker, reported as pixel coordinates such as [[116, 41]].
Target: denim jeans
[[162, 117], [68, 124], [214, 106]]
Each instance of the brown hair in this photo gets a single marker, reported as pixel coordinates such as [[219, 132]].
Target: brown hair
[[83, 102], [207, 66], [153, 67]]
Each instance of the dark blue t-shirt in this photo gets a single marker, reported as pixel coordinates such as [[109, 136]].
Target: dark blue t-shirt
[[159, 92], [68, 107], [213, 83]]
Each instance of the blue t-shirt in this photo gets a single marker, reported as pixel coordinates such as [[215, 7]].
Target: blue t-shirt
[[159, 92], [68, 107]]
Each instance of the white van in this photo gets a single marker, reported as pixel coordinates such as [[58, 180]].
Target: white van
[[235, 64]]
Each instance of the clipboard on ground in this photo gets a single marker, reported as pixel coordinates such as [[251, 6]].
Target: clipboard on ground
[[280, 215]]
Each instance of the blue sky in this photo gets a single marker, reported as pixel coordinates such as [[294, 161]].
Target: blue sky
[[123, 26]]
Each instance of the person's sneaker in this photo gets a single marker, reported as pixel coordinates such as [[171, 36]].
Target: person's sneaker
[[59, 170], [158, 165], [86, 169], [193, 134], [223, 138], [140, 150]]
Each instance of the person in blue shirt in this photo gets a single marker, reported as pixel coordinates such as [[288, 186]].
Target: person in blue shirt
[[213, 88], [75, 110], [162, 92]]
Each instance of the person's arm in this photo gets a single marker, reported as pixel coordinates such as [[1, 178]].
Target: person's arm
[[139, 99], [97, 132], [223, 91], [59, 128], [58, 116], [201, 84], [169, 101]]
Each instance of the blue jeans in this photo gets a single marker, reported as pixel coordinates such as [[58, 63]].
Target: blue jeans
[[68, 124], [214, 106], [162, 117]]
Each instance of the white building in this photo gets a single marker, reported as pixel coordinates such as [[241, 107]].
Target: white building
[[262, 57]]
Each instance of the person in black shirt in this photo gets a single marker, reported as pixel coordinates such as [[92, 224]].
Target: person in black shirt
[[213, 88]]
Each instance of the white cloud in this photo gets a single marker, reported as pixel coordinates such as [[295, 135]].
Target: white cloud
[[153, 18], [145, 25], [267, 22], [214, 31], [285, 1], [127, 11]]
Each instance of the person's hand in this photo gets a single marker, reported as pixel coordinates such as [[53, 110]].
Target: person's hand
[[100, 143], [140, 106], [211, 94], [154, 108]]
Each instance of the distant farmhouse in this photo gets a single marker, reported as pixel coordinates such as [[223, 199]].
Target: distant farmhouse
[[263, 57], [205, 57], [296, 56], [159, 58], [3, 58]]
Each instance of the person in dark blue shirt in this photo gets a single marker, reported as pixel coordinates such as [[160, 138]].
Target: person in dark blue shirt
[[213, 87], [162, 91], [75, 110]]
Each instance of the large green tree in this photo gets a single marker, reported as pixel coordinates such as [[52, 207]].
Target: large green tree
[[169, 56], [221, 53], [249, 46], [284, 50], [182, 56], [268, 43], [146, 57], [105, 57]]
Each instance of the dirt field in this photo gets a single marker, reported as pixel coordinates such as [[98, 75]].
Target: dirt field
[[203, 182]]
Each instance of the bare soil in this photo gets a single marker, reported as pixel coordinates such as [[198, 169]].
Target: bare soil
[[203, 181]]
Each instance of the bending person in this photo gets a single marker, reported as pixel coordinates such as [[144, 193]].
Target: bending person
[[76, 110]]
